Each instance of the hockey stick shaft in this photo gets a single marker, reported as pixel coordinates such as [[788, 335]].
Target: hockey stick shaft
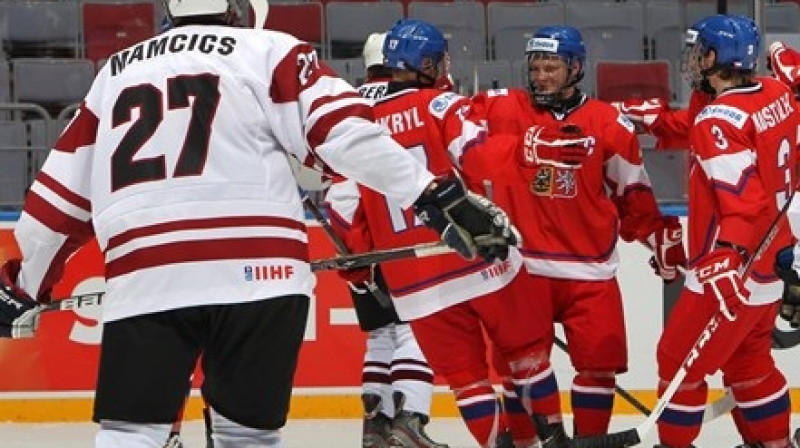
[[634, 436], [619, 390], [342, 262], [384, 300], [365, 259]]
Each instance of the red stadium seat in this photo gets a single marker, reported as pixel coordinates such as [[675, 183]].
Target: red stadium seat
[[109, 27], [302, 20], [618, 80]]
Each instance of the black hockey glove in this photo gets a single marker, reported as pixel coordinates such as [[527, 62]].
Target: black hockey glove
[[470, 224], [790, 308], [19, 314]]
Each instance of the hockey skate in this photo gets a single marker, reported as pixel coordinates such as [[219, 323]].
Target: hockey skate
[[504, 440], [551, 435], [376, 431], [408, 428]]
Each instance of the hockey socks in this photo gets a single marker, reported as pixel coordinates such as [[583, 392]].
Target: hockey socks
[[592, 398], [765, 408]]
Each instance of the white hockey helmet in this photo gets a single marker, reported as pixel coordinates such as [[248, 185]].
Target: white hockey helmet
[[186, 8], [373, 49]]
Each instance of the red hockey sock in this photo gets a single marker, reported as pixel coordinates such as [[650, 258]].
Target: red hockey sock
[[480, 409], [538, 390], [765, 407], [680, 422], [519, 422], [592, 398]]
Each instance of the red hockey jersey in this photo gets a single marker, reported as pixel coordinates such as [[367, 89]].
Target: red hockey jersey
[[570, 219], [743, 170], [432, 125]]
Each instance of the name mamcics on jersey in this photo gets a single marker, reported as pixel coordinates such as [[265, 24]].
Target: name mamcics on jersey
[[172, 43]]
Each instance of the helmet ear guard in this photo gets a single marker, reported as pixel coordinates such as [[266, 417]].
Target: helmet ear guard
[[734, 40]]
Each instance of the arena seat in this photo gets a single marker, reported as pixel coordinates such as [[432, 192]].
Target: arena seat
[[109, 27], [32, 81], [618, 80], [14, 177], [304, 21], [511, 24], [349, 24], [40, 28], [463, 24]]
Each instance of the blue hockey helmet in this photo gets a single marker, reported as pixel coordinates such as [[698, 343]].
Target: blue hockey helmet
[[414, 45], [734, 39], [565, 42]]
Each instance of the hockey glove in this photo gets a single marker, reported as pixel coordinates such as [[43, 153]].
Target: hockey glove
[[643, 113], [19, 314], [565, 146], [790, 308], [718, 272], [469, 224], [668, 253], [784, 63]]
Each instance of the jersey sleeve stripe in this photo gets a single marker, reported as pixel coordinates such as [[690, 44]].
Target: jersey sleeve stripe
[[63, 192], [207, 250], [82, 131], [203, 224], [319, 131]]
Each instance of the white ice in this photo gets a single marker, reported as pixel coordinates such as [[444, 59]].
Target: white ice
[[328, 433]]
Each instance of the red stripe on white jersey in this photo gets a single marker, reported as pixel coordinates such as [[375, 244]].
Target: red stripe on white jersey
[[209, 223], [82, 131], [55, 219], [63, 192], [295, 73], [319, 132], [207, 250]]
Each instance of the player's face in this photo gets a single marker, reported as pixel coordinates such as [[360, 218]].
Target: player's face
[[548, 73], [434, 69]]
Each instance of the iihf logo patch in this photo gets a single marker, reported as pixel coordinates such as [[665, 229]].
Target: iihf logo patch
[[248, 273]]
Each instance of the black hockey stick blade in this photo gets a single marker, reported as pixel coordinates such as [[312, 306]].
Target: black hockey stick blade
[[628, 437], [75, 302]]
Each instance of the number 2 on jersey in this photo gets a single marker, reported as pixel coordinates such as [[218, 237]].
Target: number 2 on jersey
[[148, 99]]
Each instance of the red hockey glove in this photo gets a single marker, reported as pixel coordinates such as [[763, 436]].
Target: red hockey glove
[[565, 146], [667, 245], [784, 63], [470, 224], [790, 306], [358, 276], [718, 272], [19, 314], [642, 112]]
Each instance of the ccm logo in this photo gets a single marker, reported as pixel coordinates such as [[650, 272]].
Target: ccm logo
[[717, 267]]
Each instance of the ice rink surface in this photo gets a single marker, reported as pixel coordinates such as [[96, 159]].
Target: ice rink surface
[[332, 433]]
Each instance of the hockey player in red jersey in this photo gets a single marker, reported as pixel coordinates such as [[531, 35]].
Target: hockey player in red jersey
[[575, 188], [743, 171], [176, 164], [449, 301], [397, 382]]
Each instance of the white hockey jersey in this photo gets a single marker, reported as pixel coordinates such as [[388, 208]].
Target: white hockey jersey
[[176, 162]]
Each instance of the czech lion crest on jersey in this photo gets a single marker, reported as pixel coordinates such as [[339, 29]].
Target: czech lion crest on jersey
[[554, 182]]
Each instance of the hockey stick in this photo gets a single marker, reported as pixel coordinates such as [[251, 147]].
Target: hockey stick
[[634, 436], [397, 253], [384, 300], [324, 264], [620, 391]]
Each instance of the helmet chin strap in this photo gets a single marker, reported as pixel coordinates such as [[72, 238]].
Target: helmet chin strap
[[556, 99]]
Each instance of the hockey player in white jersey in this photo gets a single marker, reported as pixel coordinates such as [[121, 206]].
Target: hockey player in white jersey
[[176, 164]]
